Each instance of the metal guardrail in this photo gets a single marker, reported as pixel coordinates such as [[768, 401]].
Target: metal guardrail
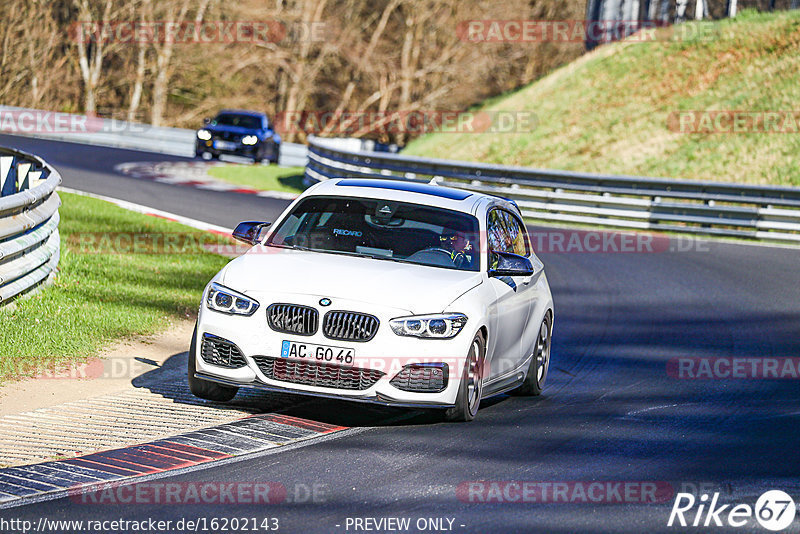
[[139, 136], [659, 204], [30, 246]]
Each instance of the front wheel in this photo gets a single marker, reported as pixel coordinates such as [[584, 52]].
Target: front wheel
[[470, 389], [203, 388], [540, 362]]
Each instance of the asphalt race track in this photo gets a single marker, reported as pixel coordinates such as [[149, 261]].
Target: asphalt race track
[[614, 409], [90, 169]]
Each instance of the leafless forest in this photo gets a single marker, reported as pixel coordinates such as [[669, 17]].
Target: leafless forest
[[348, 55]]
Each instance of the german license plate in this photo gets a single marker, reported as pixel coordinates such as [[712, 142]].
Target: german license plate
[[224, 145], [294, 350]]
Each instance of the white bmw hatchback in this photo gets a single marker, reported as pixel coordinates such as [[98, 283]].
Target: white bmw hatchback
[[381, 291]]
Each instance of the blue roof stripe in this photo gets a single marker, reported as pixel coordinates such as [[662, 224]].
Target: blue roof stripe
[[411, 187]]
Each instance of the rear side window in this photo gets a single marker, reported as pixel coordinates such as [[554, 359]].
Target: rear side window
[[518, 236], [506, 233], [499, 238]]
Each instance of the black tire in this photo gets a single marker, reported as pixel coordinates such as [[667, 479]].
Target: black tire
[[470, 388], [203, 388], [540, 363]]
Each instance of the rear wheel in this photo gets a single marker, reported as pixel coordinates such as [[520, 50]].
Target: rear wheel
[[203, 388], [470, 389], [540, 363]]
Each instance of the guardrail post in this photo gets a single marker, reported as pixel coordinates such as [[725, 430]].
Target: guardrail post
[[8, 176], [23, 177], [35, 177]]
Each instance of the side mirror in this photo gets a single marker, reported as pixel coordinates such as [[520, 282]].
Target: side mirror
[[207, 121], [250, 231], [507, 264]]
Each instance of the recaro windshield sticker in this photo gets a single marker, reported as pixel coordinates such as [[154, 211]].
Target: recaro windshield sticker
[[344, 232]]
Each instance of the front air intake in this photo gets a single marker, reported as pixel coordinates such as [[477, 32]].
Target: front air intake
[[317, 374]]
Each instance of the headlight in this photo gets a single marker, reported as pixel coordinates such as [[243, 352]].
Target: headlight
[[437, 326], [249, 140], [225, 300], [203, 135]]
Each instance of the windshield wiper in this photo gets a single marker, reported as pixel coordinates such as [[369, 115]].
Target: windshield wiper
[[295, 247], [345, 253], [373, 256]]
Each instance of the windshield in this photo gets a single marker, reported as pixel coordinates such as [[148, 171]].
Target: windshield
[[232, 119], [381, 229]]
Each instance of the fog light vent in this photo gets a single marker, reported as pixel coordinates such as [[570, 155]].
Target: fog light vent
[[422, 378], [221, 352]]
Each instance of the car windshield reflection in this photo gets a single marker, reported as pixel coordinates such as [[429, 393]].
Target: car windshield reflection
[[384, 230]]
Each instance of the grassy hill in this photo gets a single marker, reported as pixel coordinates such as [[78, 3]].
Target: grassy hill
[[609, 110]]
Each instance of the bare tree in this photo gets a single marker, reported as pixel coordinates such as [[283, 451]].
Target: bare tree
[[176, 13], [145, 13], [91, 48], [363, 61], [381, 55]]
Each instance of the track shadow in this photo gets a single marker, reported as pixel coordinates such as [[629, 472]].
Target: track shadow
[[169, 381]]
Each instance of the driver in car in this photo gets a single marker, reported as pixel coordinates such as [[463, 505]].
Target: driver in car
[[459, 247]]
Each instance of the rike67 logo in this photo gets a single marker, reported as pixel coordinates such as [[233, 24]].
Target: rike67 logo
[[774, 510]]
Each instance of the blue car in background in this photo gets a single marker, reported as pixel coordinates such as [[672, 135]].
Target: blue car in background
[[238, 133]]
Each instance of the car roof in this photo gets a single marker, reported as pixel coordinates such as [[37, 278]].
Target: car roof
[[405, 191], [411, 187], [242, 112]]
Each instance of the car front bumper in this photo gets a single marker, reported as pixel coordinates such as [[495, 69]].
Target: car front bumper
[[248, 151], [386, 352], [377, 398]]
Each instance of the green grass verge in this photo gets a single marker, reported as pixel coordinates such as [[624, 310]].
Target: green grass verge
[[266, 178], [98, 298], [608, 111]]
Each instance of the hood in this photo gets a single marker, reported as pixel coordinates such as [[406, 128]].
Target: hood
[[415, 288]]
